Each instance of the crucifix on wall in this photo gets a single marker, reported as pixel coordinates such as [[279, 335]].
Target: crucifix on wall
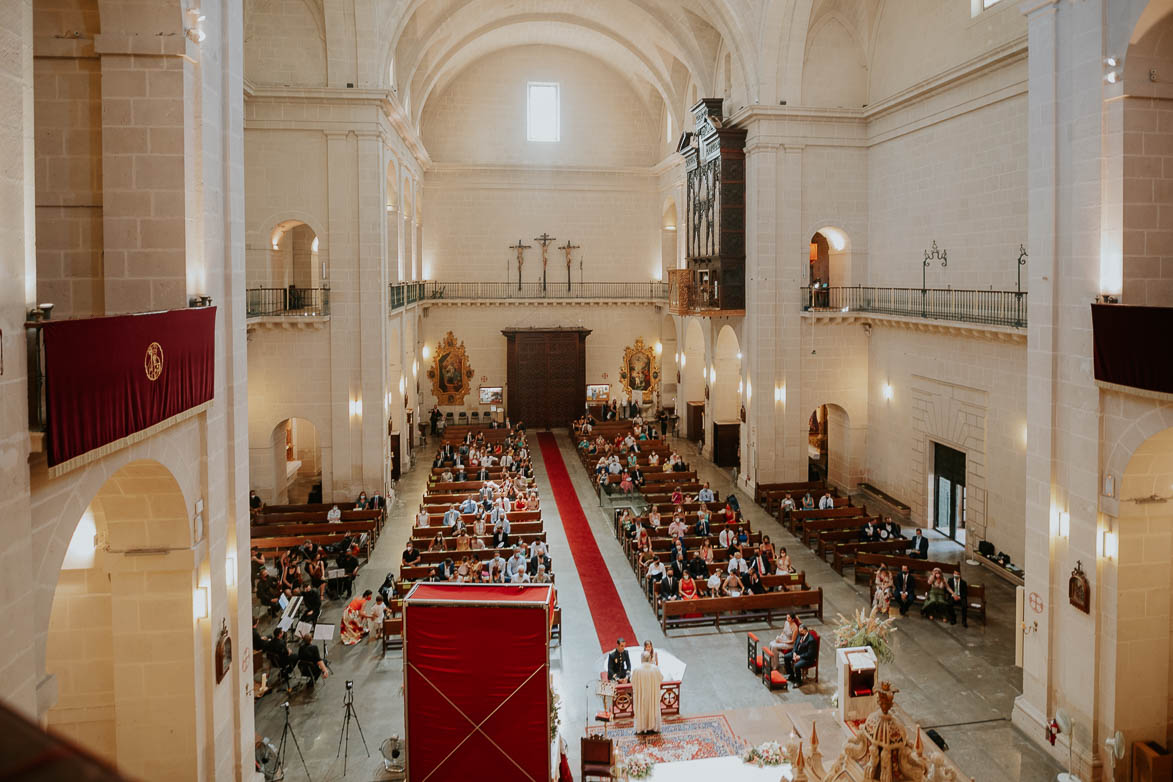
[[567, 248], [545, 239], [521, 248]]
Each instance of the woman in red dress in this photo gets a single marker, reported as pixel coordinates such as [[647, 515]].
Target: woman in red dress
[[353, 619], [687, 588]]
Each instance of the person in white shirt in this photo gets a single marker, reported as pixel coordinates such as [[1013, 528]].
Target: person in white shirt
[[541, 577], [537, 549], [788, 503], [519, 577], [677, 528], [654, 517], [714, 584], [727, 537], [737, 564], [515, 563], [705, 494], [826, 502], [497, 564], [506, 503], [653, 459], [334, 515], [423, 519], [614, 467]]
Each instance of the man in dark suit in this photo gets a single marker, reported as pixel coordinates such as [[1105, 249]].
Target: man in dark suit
[[903, 588], [669, 585], [919, 545], [801, 657], [869, 532], [539, 559], [619, 663], [698, 568], [278, 653], [309, 661], [483, 474], [889, 529], [959, 598]]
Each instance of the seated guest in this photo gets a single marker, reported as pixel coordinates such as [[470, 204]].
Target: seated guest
[[703, 522], [788, 503], [438, 543], [460, 475], [451, 516], [732, 587], [728, 515], [256, 563], [376, 502], [677, 549], [958, 591], [469, 505], [687, 589], [870, 532], [889, 530], [801, 657], [755, 585], [447, 476], [254, 503], [500, 538], [767, 546], [679, 466], [679, 565], [542, 561], [705, 494], [713, 585], [334, 515], [808, 502], [677, 497], [362, 503], [516, 562], [697, 567], [309, 661], [463, 541], [742, 536], [669, 584], [637, 477], [655, 571], [311, 598], [737, 564], [784, 565], [706, 551], [626, 485], [785, 640], [826, 502], [727, 538], [541, 577], [520, 577], [919, 545], [411, 554], [761, 562], [423, 518], [732, 502], [677, 529], [904, 589], [446, 570]]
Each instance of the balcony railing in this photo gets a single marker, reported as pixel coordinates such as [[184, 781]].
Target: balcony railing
[[631, 291], [995, 308], [400, 294], [287, 302]]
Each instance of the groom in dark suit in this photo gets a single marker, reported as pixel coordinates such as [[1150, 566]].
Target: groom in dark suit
[[619, 664], [958, 599], [904, 589]]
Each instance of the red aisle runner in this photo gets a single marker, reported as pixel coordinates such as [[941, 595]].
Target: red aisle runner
[[602, 598]]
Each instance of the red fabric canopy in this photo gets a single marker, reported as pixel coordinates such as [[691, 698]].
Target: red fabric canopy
[[476, 682]]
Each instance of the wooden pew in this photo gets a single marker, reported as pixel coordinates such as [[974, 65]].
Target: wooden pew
[[515, 528], [799, 518], [282, 543], [515, 539], [812, 528], [515, 517], [866, 565], [763, 490], [677, 613], [308, 528], [844, 554]]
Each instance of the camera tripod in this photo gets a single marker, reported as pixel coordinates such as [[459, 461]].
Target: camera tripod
[[287, 732], [344, 737]]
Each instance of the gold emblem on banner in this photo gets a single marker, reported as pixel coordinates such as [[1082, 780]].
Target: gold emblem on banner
[[153, 363]]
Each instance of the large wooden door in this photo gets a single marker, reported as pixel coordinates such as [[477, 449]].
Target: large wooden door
[[546, 375]]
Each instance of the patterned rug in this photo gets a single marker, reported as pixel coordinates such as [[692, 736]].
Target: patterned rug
[[690, 738]]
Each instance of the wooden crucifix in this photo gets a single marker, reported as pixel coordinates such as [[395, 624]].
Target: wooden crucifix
[[545, 239], [521, 248], [567, 248]]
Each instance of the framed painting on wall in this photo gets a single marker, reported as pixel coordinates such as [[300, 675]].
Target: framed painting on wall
[[598, 392], [492, 395]]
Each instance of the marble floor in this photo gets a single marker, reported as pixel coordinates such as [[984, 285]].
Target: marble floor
[[962, 681]]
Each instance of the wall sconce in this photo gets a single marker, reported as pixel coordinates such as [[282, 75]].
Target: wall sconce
[[682, 357], [1110, 545], [713, 374], [402, 385], [748, 389], [1064, 527], [426, 352], [199, 602], [739, 355], [230, 570], [780, 394], [356, 407], [659, 348], [886, 390], [740, 386], [415, 368]]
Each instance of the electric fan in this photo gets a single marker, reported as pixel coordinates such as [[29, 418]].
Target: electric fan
[[267, 761], [1065, 726]]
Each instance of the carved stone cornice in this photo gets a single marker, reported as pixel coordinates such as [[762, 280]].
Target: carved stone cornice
[[283, 323], [658, 303], [952, 328]]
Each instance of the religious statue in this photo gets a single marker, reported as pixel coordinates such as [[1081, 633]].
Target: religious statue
[[567, 248], [521, 248], [545, 239]]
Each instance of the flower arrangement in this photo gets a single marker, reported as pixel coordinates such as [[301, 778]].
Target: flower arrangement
[[866, 630], [638, 767], [768, 753], [555, 712]]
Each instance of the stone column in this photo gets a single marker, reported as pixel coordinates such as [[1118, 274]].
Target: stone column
[[345, 308], [372, 325], [792, 255], [761, 457]]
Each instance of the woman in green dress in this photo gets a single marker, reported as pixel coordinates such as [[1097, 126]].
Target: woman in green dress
[[937, 601]]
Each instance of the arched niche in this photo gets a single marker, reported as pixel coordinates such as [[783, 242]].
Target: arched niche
[[121, 642], [296, 458], [693, 373]]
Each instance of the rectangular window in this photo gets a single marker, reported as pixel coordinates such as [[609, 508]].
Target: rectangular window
[[542, 111]]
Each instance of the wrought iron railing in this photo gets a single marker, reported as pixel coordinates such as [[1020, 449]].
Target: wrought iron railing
[[551, 290], [401, 294], [996, 308], [287, 302]]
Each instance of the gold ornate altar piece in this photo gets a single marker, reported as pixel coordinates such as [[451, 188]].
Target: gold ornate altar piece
[[450, 373], [881, 751], [639, 371]]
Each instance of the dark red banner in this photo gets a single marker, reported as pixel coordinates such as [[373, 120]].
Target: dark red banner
[[108, 378]]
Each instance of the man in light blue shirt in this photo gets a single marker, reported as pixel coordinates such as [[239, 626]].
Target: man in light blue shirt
[[516, 563], [705, 494], [469, 505], [451, 517]]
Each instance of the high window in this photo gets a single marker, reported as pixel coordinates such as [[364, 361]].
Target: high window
[[542, 111]]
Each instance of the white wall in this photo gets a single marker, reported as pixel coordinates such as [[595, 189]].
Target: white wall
[[490, 187], [284, 43]]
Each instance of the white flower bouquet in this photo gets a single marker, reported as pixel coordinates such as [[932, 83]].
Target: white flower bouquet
[[768, 753], [638, 767]]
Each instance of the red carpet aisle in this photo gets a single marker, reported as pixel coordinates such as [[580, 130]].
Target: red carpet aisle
[[602, 598]]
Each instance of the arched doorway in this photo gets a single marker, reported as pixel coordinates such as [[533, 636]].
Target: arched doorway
[[830, 456], [693, 381], [829, 266], [291, 277], [297, 462], [1138, 540], [669, 350], [727, 388], [121, 641]]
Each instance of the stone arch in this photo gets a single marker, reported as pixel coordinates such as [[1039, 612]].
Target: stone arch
[[272, 484], [840, 456], [296, 459], [834, 256], [727, 387], [831, 77], [693, 370], [270, 253], [121, 632]]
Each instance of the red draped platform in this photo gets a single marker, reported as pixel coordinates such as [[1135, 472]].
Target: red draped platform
[[477, 681]]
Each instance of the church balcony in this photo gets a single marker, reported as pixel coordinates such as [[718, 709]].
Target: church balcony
[[403, 294], [988, 308], [291, 302], [697, 292], [1124, 359], [437, 292]]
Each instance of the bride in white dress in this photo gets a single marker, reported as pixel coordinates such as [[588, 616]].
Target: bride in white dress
[[645, 691]]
